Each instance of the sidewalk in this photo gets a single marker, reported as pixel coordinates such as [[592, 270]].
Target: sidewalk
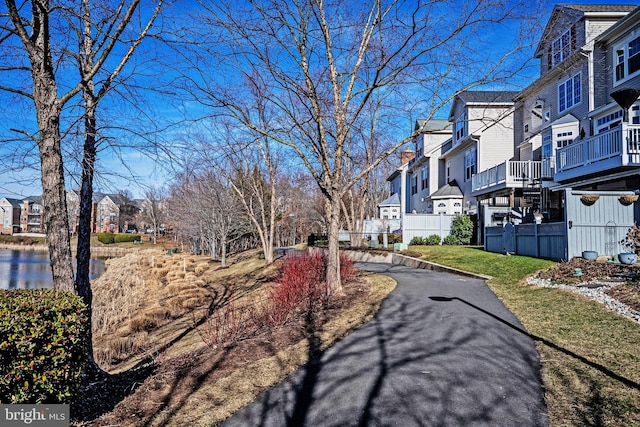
[[442, 351]]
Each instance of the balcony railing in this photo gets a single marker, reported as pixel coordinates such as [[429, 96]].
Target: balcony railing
[[548, 168], [510, 174], [615, 148]]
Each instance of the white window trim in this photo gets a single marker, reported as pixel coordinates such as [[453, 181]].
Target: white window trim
[[447, 171], [563, 51], [572, 79], [624, 47], [473, 165], [460, 129]]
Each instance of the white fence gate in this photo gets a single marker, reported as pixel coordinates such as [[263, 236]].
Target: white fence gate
[[424, 225]]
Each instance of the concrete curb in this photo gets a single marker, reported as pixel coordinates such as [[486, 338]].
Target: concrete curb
[[398, 259]]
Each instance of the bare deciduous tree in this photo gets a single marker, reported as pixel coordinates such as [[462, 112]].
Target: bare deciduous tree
[[321, 64], [154, 208]]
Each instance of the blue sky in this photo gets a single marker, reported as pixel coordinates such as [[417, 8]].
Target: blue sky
[[139, 169]]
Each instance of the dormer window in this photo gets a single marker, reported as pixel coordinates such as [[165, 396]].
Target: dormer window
[[563, 46], [461, 127]]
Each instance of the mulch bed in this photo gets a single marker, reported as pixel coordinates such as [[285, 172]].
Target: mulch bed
[[627, 292]]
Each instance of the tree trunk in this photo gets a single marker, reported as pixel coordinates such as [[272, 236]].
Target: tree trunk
[[55, 217], [223, 251], [54, 201], [83, 256], [334, 284]]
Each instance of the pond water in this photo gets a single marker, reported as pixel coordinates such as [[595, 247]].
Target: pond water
[[31, 269]]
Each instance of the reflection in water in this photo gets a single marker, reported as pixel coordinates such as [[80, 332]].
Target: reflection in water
[[31, 269]]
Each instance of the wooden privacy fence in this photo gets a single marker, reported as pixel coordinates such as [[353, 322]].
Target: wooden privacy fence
[[595, 221], [534, 240]]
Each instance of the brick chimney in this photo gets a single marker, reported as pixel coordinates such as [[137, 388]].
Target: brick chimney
[[406, 156]]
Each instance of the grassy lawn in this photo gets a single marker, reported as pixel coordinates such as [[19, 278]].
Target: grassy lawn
[[590, 356]]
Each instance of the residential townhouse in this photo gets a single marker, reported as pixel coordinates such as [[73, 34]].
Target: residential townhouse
[[31, 216], [564, 131], [10, 212], [106, 212], [398, 182], [556, 109], [483, 138], [608, 157], [423, 168], [21, 215]]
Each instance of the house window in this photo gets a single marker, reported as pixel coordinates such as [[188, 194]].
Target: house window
[[470, 160], [562, 47], [570, 93], [414, 184], [633, 63], [447, 171], [546, 146], [536, 115], [619, 64], [425, 178], [609, 121], [442, 205], [461, 127], [563, 139], [626, 60]]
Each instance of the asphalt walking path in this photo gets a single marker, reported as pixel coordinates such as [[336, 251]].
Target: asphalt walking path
[[442, 351]]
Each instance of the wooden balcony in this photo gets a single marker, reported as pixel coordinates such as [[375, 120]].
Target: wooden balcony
[[510, 174], [617, 148]]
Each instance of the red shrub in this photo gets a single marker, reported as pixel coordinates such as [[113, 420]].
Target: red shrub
[[300, 290], [347, 270], [300, 286]]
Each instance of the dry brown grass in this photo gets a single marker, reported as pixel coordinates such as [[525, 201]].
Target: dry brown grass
[[203, 386], [134, 297]]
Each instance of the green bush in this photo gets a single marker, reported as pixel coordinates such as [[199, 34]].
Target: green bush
[[451, 240], [42, 345], [121, 238], [417, 240], [433, 240], [106, 238], [462, 229]]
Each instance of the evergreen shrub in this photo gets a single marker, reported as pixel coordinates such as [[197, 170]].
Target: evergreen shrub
[[433, 240], [42, 345], [106, 238], [121, 238]]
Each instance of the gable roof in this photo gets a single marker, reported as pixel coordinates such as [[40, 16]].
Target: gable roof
[[433, 125], [611, 11], [487, 96], [482, 97], [16, 203], [450, 190], [34, 199], [598, 7], [620, 27], [394, 200]]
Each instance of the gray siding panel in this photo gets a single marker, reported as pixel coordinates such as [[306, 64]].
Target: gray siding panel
[[598, 227]]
